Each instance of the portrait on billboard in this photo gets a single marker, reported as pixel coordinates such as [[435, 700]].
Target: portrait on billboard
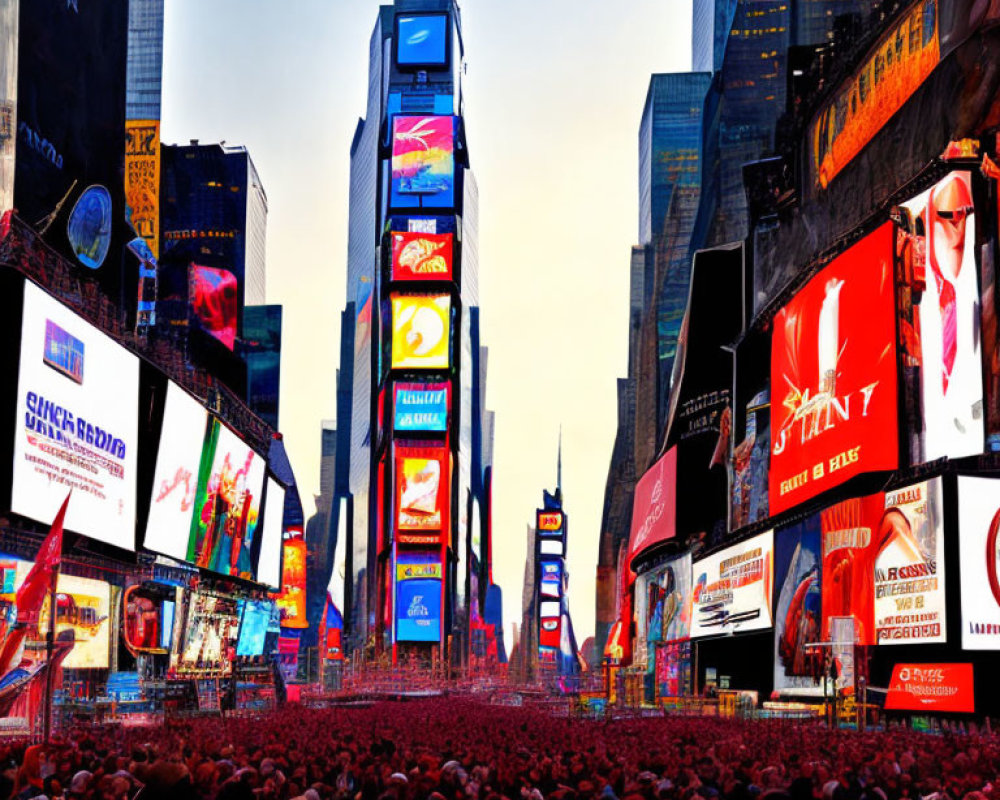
[[423, 162], [421, 327], [798, 621], [422, 256], [833, 376], [214, 296], [422, 486]]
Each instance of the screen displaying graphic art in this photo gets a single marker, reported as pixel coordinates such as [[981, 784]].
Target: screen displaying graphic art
[[549, 633], [422, 256], [269, 562], [654, 510], [549, 523], [421, 407], [551, 579], [938, 242], [214, 297], [833, 376], [418, 597], [255, 618], [798, 620], [423, 162], [292, 598], [148, 617], [422, 40], [227, 505], [142, 180], [422, 486], [76, 425], [209, 636], [732, 588], [89, 227], [421, 328], [182, 436], [979, 557]]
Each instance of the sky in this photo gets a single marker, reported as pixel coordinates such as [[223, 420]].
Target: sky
[[554, 94]]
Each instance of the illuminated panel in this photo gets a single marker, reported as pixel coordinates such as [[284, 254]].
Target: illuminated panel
[[422, 256], [422, 40], [421, 493], [421, 407], [421, 327], [423, 162], [732, 588]]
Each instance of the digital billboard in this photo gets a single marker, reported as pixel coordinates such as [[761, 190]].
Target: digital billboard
[[944, 688], [421, 407], [214, 299], [209, 635], [944, 338], [798, 620], [423, 162], [77, 423], [551, 547], [422, 490], [260, 348], [227, 504], [551, 579], [255, 619], [148, 618], [142, 180], [833, 376], [292, 598], [422, 40], [979, 560], [654, 509], [732, 588], [909, 566], [269, 561], [422, 256], [421, 327], [182, 436], [418, 597], [549, 523]]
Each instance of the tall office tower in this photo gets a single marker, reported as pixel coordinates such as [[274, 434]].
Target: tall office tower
[[416, 476]]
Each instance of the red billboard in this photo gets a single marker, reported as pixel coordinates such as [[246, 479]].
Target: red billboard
[[422, 489], [932, 687], [422, 256], [833, 376], [654, 509], [549, 634], [214, 300]]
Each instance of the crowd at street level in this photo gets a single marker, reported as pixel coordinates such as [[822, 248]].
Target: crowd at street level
[[449, 749]]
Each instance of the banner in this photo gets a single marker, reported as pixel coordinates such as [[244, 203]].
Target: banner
[[423, 162], [423, 487], [798, 622], [909, 566], [833, 376], [421, 331], [945, 688], [422, 256], [654, 509], [732, 588], [142, 180], [421, 406], [979, 561]]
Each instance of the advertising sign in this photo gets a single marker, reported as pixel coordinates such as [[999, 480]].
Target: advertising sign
[[422, 40], [421, 406], [909, 566], [418, 610], [979, 560], [422, 256], [292, 599], [214, 301], [269, 560], [549, 633], [550, 523], [675, 616], [423, 162], [947, 326], [947, 688], [422, 487], [833, 376], [654, 510], [551, 579], [142, 180], [77, 423], [209, 635], [798, 620], [254, 621], [227, 504], [732, 588], [421, 327], [182, 436], [409, 568]]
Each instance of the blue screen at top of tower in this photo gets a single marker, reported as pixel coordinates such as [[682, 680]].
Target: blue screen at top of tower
[[423, 40]]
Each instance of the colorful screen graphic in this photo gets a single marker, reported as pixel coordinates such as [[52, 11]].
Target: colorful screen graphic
[[551, 579], [422, 40], [89, 226], [423, 162], [422, 487], [550, 523], [143, 624], [418, 597], [227, 505], [732, 588], [142, 180], [798, 620], [77, 424], [654, 510], [422, 256], [292, 599], [945, 688], [421, 407], [549, 633], [833, 376], [214, 297], [979, 557], [209, 636], [182, 436], [421, 326], [255, 618]]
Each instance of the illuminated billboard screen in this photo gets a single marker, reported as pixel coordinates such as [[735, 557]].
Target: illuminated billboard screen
[[654, 509], [418, 597], [979, 557], [421, 407], [549, 632], [938, 244], [422, 256], [549, 523], [292, 598], [182, 436], [422, 489], [732, 588], [421, 328], [798, 620], [214, 298], [833, 376], [77, 424], [551, 547], [423, 162], [269, 561], [945, 688], [209, 635], [255, 618], [422, 40], [551, 579], [227, 504]]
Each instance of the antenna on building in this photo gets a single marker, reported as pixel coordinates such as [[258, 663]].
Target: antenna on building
[[559, 466]]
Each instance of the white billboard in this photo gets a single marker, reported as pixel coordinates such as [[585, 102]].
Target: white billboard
[[269, 563], [978, 551], [77, 423], [175, 484], [732, 588]]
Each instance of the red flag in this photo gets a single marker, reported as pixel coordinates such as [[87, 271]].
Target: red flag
[[41, 579]]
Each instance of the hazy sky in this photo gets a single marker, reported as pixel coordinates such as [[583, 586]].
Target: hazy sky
[[554, 94]]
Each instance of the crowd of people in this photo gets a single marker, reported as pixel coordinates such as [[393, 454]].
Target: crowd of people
[[456, 749]]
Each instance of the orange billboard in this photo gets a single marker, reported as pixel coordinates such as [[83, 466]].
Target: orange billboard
[[142, 179]]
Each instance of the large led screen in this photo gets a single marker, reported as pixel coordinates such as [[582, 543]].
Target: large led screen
[[551, 579], [418, 597], [422, 256], [292, 598], [227, 504], [421, 326], [77, 424], [833, 376], [209, 635], [423, 162], [654, 509], [421, 407], [214, 297], [798, 621], [732, 588], [944, 335], [422, 489], [422, 40], [943, 688], [549, 523], [269, 562], [979, 560], [182, 436], [255, 618]]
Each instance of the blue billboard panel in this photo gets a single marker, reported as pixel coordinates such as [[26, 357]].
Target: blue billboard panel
[[418, 610], [551, 580], [422, 40], [256, 616], [421, 407]]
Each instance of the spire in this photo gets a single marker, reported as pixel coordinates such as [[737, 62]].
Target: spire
[[559, 465]]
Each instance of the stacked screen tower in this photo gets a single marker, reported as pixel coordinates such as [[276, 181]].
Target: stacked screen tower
[[418, 483]]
